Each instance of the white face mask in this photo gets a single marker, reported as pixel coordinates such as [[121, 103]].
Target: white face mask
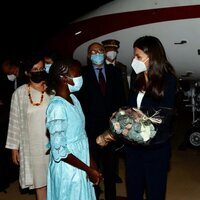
[[11, 77], [78, 82], [111, 55], [47, 67], [138, 65]]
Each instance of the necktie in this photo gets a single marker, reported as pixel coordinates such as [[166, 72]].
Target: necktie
[[102, 83]]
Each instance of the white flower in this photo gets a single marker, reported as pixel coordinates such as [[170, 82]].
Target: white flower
[[122, 112], [145, 132]]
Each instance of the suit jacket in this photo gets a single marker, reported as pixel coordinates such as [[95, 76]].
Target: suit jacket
[[97, 108], [123, 69], [165, 105]]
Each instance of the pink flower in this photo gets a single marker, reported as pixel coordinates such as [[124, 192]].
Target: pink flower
[[125, 132], [116, 126], [128, 126]]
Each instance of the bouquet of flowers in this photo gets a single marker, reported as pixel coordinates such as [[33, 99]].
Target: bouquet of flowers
[[130, 124]]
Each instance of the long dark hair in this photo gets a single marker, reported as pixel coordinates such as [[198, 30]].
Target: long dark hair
[[159, 66], [29, 61]]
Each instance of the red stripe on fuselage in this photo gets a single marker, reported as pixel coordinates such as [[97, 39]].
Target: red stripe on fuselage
[[66, 42]]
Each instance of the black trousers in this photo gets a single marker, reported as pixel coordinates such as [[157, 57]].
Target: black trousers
[[146, 171]]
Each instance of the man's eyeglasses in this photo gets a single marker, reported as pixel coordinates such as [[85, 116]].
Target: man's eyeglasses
[[100, 51]]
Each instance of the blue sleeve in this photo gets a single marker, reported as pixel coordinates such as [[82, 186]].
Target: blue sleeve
[[56, 124]]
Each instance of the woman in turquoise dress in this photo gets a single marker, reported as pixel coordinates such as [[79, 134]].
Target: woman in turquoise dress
[[71, 176]]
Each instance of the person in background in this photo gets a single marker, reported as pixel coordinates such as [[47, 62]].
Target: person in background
[[111, 51], [71, 172], [11, 77], [27, 131], [49, 57], [153, 87], [12, 73], [102, 93]]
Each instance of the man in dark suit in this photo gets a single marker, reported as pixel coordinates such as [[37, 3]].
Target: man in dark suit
[[98, 103], [111, 51]]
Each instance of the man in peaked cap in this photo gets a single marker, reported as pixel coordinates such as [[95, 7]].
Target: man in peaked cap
[[111, 50], [111, 43]]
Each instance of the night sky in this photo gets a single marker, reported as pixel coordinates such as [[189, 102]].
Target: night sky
[[26, 26]]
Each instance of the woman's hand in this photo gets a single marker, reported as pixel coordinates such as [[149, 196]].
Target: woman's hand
[[15, 156], [94, 176]]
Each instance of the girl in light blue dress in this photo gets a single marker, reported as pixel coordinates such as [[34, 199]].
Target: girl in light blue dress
[[71, 174]]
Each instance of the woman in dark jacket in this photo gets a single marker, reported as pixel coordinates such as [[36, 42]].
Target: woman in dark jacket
[[153, 88]]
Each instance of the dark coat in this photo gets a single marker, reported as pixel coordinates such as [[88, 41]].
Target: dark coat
[[165, 105], [123, 69], [97, 108]]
